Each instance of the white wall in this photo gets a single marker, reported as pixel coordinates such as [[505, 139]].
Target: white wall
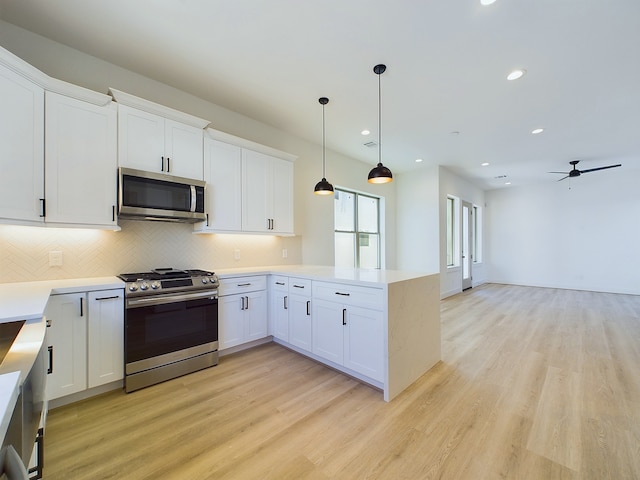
[[313, 243], [451, 278], [576, 234], [418, 221]]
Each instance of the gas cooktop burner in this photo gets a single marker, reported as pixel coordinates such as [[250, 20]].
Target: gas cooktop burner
[[167, 280]]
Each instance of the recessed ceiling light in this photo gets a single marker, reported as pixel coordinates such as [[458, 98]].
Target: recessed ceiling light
[[536, 131], [485, 164], [418, 160], [516, 74], [507, 183], [365, 132], [487, 2]]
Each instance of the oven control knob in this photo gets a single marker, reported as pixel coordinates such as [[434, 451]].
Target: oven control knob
[[133, 287], [144, 286], [155, 285], [204, 280], [212, 279]]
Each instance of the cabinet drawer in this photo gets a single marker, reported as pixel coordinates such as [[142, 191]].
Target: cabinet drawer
[[349, 294], [279, 283], [300, 286], [233, 285]]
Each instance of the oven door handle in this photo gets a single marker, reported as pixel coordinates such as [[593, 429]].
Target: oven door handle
[[164, 299]]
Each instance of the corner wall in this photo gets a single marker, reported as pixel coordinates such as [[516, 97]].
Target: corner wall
[[576, 234], [451, 277]]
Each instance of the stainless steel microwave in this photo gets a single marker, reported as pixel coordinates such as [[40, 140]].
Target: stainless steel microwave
[[156, 196]]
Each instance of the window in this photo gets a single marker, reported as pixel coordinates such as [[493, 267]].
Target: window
[[357, 229], [477, 234], [451, 230], [454, 233]]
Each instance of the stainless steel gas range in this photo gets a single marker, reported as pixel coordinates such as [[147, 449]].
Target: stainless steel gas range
[[171, 324]]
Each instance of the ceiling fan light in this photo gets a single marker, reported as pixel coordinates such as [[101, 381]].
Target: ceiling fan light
[[380, 174], [323, 187]]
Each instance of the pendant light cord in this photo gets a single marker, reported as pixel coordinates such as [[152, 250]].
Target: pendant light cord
[[324, 173], [379, 122]]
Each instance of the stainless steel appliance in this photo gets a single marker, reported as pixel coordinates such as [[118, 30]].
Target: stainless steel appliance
[[23, 349], [171, 324], [157, 196]]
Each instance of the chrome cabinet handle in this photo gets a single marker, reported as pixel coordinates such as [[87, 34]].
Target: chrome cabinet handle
[[344, 316], [343, 294], [285, 302], [308, 307]]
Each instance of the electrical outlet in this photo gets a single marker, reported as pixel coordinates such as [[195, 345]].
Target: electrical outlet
[[236, 254], [55, 258], [284, 253]]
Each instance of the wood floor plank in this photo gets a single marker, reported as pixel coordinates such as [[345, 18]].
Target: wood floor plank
[[534, 383]]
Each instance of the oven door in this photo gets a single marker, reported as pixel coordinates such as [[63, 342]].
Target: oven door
[[168, 328]]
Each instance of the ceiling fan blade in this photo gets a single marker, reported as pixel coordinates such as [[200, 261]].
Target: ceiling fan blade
[[600, 168], [563, 178], [564, 173]]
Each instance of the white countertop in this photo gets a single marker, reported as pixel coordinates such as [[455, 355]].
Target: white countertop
[[353, 276], [27, 300]]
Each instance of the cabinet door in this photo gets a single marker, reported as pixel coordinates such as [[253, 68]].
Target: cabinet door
[[140, 139], [81, 152], [280, 314], [21, 148], [67, 337], [364, 342], [223, 174], [255, 316], [256, 191], [300, 321], [231, 320], [328, 330], [282, 196], [105, 337], [183, 150]]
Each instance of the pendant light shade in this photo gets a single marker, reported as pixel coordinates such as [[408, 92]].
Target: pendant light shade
[[323, 187], [380, 173]]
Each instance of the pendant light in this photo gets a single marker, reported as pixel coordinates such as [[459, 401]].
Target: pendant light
[[323, 187], [380, 173]]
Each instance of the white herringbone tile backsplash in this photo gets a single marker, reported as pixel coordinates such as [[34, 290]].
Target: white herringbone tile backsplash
[[139, 246]]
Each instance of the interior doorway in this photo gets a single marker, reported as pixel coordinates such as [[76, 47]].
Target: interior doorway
[[467, 242]]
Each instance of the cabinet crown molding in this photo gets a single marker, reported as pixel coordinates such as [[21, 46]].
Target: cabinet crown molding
[[31, 73], [157, 109], [248, 144]]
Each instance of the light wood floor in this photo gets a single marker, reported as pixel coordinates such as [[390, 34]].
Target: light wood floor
[[534, 384]]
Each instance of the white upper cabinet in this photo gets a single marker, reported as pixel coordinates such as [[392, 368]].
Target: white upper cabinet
[[249, 186], [267, 193], [155, 138], [81, 161], [223, 174], [21, 142]]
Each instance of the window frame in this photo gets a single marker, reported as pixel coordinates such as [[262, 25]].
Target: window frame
[[356, 232]]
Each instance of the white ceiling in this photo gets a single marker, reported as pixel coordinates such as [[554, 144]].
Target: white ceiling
[[447, 62]]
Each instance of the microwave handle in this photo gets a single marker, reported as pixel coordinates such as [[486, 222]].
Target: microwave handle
[[193, 198]]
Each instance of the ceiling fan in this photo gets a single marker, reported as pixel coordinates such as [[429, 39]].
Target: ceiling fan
[[576, 173]]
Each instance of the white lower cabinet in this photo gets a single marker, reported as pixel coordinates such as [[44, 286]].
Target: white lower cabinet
[[300, 328], [346, 333], [86, 340], [67, 337], [242, 310], [279, 287]]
